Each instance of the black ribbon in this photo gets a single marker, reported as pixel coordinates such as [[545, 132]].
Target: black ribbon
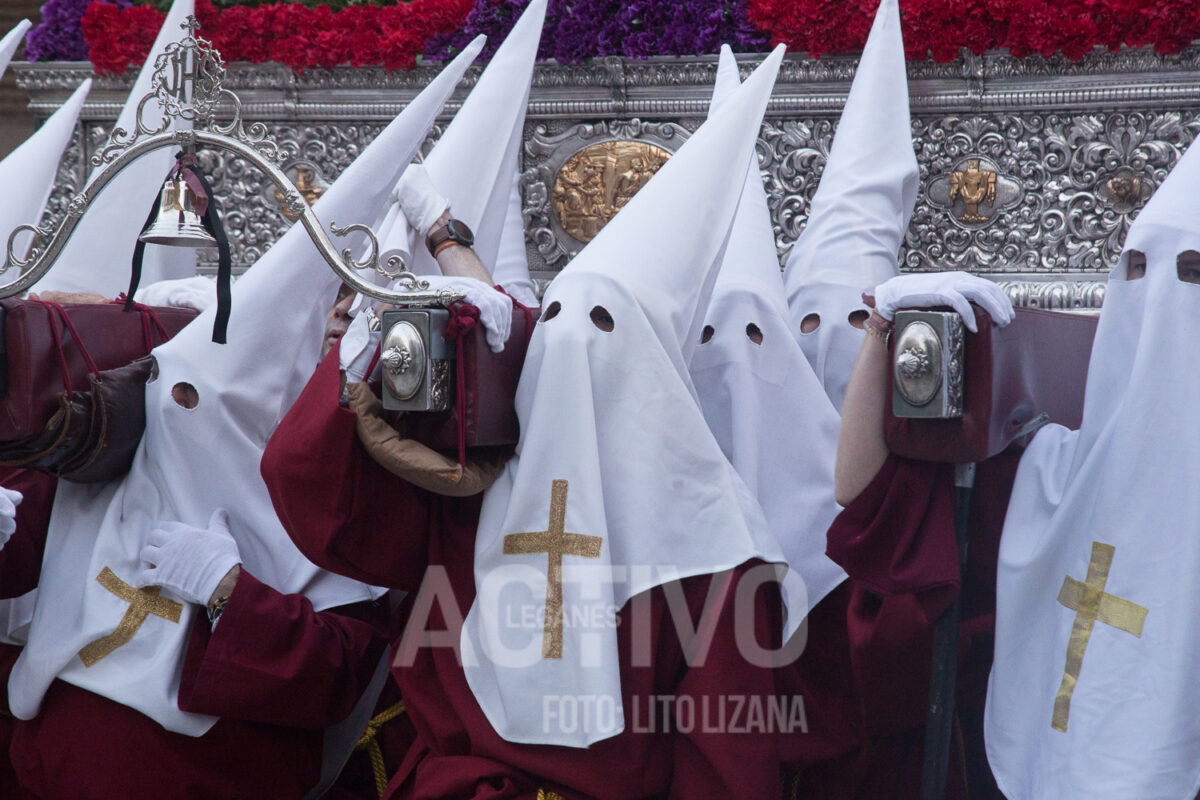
[[211, 220]]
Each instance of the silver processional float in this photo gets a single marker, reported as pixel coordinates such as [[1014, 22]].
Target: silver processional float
[[187, 85]]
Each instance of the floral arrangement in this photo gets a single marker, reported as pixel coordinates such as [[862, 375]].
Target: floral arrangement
[[304, 34], [941, 27], [578, 29], [293, 34], [59, 37]]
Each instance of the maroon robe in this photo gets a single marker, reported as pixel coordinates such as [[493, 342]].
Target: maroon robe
[[21, 556], [350, 516], [276, 672], [896, 542], [20, 566]]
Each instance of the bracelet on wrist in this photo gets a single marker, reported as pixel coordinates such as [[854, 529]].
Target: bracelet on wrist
[[878, 327], [217, 607]]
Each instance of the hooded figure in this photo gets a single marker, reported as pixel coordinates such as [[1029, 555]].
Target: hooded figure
[[28, 172], [760, 397], [614, 452], [98, 256], [1093, 684], [201, 454], [11, 41], [474, 171], [475, 162], [860, 212]]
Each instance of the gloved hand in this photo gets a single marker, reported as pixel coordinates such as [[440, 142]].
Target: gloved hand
[[9, 500], [197, 292], [358, 345], [419, 199], [188, 561], [495, 308], [954, 289]]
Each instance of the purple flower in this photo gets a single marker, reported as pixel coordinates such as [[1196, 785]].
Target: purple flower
[[59, 37], [580, 29]]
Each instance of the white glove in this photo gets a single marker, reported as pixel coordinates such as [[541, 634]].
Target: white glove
[[198, 293], [188, 561], [954, 289], [419, 199], [357, 346], [495, 308], [9, 500]]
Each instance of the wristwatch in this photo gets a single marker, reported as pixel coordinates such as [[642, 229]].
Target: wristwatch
[[455, 230]]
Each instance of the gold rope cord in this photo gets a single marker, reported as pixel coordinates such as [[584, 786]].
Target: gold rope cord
[[369, 741]]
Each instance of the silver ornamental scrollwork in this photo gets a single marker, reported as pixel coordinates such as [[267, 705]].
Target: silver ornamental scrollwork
[[954, 365], [1084, 144], [186, 85], [441, 386], [1116, 163]]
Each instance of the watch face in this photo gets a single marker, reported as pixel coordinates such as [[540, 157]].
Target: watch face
[[460, 233]]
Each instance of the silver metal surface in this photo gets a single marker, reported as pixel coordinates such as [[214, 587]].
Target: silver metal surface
[[403, 360], [917, 364], [1077, 147], [177, 222], [417, 360], [927, 365]]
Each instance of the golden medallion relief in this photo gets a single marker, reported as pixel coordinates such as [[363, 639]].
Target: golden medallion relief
[[595, 183]]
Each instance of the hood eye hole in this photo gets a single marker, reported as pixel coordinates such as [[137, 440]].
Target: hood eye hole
[[1135, 265], [551, 311], [754, 333], [706, 334], [602, 319], [1188, 266], [810, 323], [858, 319], [185, 395]]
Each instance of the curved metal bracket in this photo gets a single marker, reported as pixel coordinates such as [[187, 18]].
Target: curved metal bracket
[[192, 61], [43, 253]]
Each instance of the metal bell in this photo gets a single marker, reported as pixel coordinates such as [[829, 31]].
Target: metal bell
[[177, 222]]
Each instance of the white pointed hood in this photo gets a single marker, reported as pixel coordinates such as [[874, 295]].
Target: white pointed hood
[[11, 41], [613, 446], [28, 172], [761, 399], [474, 163], [191, 461], [98, 256], [861, 209], [511, 271], [1114, 505]]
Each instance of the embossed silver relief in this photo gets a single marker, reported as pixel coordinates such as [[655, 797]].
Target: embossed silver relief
[[441, 385], [1074, 159], [973, 191]]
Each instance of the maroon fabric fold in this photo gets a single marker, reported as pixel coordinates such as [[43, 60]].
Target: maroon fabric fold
[[335, 501], [21, 557], [389, 533], [273, 659], [897, 536]]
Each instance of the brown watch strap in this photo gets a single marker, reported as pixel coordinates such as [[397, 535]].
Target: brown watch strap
[[437, 236]]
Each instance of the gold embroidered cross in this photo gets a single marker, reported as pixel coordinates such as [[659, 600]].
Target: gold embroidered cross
[[1091, 604], [142, 603], [555, 542]]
